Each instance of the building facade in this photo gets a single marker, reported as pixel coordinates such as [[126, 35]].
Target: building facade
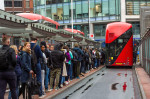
[[18, 6], [94, 13]]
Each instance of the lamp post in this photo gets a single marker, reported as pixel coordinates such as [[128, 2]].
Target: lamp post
[[72, 18], [89, 17]]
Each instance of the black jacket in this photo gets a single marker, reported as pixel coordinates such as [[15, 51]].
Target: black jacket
[[11, 58], [57, 56]]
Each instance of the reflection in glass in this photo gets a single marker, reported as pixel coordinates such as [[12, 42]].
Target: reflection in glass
[[59, 12], [48, 12], [66, 11], [136, 7], [78, 10], [129, 8], [54, 12]]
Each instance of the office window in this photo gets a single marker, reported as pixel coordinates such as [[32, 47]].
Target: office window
[[59, 12], [8, 3], [143, 3], [66, 8], [129, 8], [27, 4], [98, 8], [48, 12], [67, 0], [118, 8], [136, 28], [43, 11], [85, 8], [86, 30], [42, 2], [105, 7], [60, 1], [92, 8], [112, 7], [78, 10], [99, 29], [37, 2], [148, 3], [17, 3], [136, 8], [133, 6], [48, 2], [54, 12]]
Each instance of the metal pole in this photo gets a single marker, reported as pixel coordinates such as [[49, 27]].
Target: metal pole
[[89, 17], [72, 18], [45, 9]]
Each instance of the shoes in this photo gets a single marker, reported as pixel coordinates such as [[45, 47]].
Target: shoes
[[61, 85], [44, 93], [82, 74], [57, 88], [42, 96], [66, 82], [78, 77], [50, 90], [46, 90]]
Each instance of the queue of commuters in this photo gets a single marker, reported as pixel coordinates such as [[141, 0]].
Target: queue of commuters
[[49, 65]]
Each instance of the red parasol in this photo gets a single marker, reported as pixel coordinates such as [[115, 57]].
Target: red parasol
[[74, 31], [36, 17]]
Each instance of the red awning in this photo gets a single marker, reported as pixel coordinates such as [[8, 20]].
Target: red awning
[[74, 31], [36, 17]]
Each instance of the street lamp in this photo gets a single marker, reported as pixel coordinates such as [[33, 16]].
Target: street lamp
[[72, 18], [89, 17]]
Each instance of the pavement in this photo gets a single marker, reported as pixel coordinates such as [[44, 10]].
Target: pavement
[[144, 82], [50, 95], [53, 93], [142, 77]]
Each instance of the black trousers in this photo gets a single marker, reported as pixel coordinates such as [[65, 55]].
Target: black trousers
[[25, 91], [10, 78]]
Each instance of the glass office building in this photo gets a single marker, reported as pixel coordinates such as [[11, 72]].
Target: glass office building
[[100, 13], [133, 6]]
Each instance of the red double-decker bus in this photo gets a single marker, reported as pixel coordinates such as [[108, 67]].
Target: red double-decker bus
[[119, 44]]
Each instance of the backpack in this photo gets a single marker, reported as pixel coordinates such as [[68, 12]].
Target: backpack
[[86, 57], [4, 63], [33, 57], [75, 56]]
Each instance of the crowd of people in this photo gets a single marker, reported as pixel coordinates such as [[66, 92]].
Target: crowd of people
[[50, 65]]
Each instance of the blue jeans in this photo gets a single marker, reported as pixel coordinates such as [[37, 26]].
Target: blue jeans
[[38, 75], [62, 79], [95, 63], [98, 63], [46, 77]]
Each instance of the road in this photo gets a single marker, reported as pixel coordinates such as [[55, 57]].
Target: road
[[105, 84]]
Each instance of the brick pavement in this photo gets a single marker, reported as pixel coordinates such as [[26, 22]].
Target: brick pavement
[[144, 82]]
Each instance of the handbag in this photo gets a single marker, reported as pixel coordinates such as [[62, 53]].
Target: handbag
[[33, 86], [64, 72]]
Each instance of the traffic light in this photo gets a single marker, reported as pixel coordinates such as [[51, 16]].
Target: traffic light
[[91, 35]]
